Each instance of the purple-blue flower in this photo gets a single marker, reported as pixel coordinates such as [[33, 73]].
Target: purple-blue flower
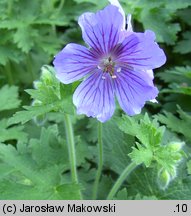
[[118, 63]]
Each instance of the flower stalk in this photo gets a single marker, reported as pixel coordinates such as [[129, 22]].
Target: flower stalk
[[121, 179], [71, 148], [100, 163]]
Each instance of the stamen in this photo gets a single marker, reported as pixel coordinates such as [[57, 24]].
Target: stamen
[[108, 67]]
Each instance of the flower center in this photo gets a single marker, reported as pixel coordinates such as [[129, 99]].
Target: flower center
[[108, 66]]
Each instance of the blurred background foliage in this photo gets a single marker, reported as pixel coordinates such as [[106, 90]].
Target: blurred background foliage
[[32, 32]]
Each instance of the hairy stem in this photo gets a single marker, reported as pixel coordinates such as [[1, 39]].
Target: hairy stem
[[100, 163], [71, 148], [121, 179]]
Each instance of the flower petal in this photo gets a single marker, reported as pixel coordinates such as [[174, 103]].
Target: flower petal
[[117, 4], [126, 21], [74, 62], [133, 89], [139, 50], [150, 73], [95, 97], [101, 30]]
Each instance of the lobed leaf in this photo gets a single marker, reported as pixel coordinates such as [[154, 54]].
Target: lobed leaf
[[29, 174], [180, 125], [8, 132], [9, 98]]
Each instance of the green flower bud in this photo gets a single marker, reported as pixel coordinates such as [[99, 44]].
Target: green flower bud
[[163, 178], [40, 120]]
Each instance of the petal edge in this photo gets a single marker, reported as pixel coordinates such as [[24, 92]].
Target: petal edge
[[73, 63]]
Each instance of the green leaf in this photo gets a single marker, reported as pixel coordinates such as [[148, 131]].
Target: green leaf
[[32, 111], [116, 144], [179, 79], [183, 46], [158, 21], [122, 194], [33, 174], [47, 96], [105, 186], [116, 147], [9, 52], [9, 98], [142, 155], [98, 3], [54, 152], [178, 89], [185, 15], [156, 16], [143, 181], [152, 150], [180, 125], [23, 37], [11, 133], [15, 191], [180, 4], [83, 151], [140, 128], [176, 74], [141, 197], [189, 167]]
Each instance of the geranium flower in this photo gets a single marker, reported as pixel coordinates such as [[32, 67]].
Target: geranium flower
[[117, 63]]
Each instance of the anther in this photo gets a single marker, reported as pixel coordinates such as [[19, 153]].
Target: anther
[[98, 67], [113, 77], [103, 77], [118, 69]]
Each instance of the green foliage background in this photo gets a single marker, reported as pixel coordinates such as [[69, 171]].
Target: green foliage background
[[34, 161]]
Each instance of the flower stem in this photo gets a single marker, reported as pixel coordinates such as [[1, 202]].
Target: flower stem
[[71, 148], [121, 179], [100, 163]]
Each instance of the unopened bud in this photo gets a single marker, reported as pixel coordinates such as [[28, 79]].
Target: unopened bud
[[40, 120], [163, 178]]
